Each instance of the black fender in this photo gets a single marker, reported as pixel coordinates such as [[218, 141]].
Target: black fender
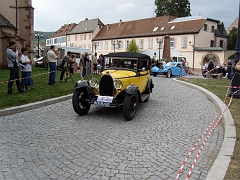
[[131, 89], [150, 84], [83, 84]]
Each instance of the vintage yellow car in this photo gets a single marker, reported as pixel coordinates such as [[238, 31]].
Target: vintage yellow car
[[125, 81]]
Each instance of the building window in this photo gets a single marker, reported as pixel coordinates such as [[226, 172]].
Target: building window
[[90, 36], [221, 43], [212, 29], [84, 46], [205, 27], [150, 43], [127, 43], [75, 37], [89, 46], [100, 45], [68, 38], [81, 37], [106, 45], [84, 37], [119, 44], [140, 43], [184, 42], [211, 43], [172, 42]]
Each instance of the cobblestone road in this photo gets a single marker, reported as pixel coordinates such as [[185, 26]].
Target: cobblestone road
[[54, 143]]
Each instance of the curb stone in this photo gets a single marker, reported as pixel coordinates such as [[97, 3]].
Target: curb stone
[[221, 163], [30, 106]]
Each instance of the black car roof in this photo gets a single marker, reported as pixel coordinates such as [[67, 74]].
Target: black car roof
[[128, 55]]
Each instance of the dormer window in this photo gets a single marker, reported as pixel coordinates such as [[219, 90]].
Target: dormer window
[[172, 27], [86, 29], [155, 29], [162, 28]]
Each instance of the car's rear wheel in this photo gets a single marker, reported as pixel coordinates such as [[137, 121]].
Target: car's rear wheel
[[79, 101], [130, 106], [169, 73], [154, 74]]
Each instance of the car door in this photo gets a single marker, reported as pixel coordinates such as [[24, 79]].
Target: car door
[[176, 69]]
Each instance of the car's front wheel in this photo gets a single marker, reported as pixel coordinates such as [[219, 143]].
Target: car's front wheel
[[130, 106], [169, 73], [79, 101]]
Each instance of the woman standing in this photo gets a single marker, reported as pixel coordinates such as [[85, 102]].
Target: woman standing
[[82, 66], [26, 69]]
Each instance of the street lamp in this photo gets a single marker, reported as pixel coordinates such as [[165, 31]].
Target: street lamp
[[193, 46], [159, 41], [235, 85], [95, 44], [38, 36], [115, 44]]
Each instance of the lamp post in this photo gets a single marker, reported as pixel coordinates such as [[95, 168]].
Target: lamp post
[[235, 85], [115, 44], [95, 44], [193, 46], [159, 42], [38, 36]]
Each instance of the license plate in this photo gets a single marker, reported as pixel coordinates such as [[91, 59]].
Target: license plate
[[105, 99], [106, 104]]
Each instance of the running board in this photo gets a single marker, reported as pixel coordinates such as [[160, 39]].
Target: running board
[[144, 97]]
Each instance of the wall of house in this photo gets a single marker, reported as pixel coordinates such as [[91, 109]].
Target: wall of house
[[25, 22]]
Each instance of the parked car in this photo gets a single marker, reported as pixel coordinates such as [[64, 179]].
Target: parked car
[[170, 69], [125, 81], [41, 62]]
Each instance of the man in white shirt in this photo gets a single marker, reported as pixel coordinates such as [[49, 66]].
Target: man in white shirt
[[52, 62]]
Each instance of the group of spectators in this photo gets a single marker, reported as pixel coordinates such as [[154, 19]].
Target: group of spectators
[[211, 71], [14, 63]]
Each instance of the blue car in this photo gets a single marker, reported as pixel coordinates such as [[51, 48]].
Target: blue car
[[170, 69]]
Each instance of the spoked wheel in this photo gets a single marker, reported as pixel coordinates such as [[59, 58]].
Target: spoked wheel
[[169, 73], [130, 106], [79, 101]]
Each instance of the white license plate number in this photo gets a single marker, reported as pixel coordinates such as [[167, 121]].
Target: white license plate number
[[105, 99]]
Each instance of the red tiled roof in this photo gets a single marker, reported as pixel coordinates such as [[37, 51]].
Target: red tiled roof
[[144, 27], [63, 30]]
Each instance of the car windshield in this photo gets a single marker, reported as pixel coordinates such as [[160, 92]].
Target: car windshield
[[120, 63], [171, 64]]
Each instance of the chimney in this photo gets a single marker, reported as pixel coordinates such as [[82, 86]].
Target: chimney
[[120, 22], [107, 26]]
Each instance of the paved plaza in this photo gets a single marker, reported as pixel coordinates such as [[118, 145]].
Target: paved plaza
[[53, 142]]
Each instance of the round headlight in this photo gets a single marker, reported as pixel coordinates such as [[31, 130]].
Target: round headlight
[[93, 82], [117, 84]]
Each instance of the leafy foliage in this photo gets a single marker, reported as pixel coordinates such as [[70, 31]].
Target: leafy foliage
[[133, 47], [179, 8], [232, 39]]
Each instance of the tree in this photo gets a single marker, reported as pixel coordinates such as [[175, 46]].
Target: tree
[[133, 47], [179, 8], [232, 39]]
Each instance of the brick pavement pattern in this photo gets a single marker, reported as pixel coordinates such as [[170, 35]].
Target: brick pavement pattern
[[53, 142]]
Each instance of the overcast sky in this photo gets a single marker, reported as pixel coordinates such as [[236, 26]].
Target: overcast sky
[[50, 15]]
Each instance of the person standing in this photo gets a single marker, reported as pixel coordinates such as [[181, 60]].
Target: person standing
[[101, 61], [66, 65], [26, 69], [95, 64], [86, 62], [210, 69], [71, 68], [229, 69], [12, 55], [52, 62], [82, 65]]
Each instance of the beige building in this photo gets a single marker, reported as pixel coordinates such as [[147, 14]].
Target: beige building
[[199, 39], [16, 24], [81, 36]]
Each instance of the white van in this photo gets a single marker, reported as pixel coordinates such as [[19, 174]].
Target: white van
[[178, 58]]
